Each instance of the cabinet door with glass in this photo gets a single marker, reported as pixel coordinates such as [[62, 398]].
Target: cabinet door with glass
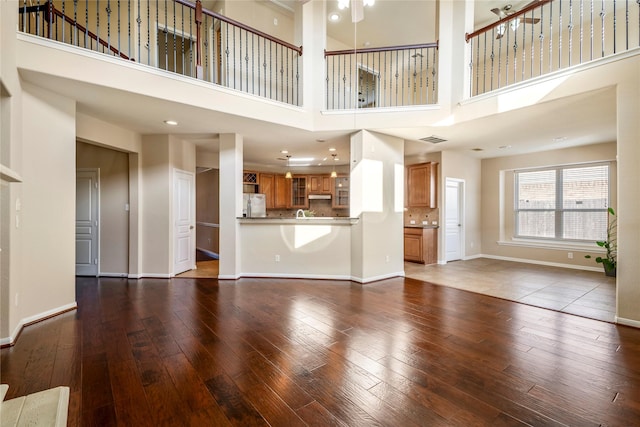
[[299, 199], [341, 192]]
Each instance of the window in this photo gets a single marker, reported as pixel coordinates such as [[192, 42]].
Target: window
[[563, 203]]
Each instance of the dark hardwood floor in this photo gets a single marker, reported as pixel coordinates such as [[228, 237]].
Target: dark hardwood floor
[[399, 352]]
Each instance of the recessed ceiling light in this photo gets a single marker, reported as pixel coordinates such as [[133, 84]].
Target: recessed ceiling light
[[504, 147], [284, 152], [560, 138], [301, 159], [320, 140], [334, 17], [171, 122], [324, 160], [332, 149]]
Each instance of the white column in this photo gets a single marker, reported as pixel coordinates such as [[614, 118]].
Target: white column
[[377, 192], [628, 291], [231, 161], [313, 42]]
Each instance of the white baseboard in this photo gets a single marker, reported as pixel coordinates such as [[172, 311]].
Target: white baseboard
[[134, 276], [627, 322], [228, 276], [34, 319], [295, 276], [377, 278], [533, 261], [154, 276], [113, 274], [209, 253]]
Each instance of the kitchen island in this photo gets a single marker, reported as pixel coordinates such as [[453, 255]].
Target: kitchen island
[[312, 247]]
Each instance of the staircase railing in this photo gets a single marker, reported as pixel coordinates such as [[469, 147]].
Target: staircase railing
[[547, 36], [176, 36], [381, 77]]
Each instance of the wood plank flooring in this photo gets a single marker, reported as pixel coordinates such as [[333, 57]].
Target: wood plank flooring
[[399, 352]]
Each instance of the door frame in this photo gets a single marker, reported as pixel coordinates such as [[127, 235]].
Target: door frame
[[461, 216], [192, 220], [96, 172]]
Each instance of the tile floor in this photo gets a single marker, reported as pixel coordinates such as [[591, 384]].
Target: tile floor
[[583, 293]]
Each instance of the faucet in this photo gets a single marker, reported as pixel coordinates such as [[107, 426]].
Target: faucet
[[300, 214]]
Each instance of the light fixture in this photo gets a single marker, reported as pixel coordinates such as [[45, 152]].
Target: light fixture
[[284, 152], [333, 172], [357, 9], [334, 17], [288, 174], [171, 122], [332, 149]]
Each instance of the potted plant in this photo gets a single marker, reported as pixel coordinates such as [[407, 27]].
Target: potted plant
[[610, 260]]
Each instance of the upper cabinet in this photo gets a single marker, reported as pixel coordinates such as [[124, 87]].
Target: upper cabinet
[[299, 193], [422, 186], [340, 197], [319, 184], [266, 184], [282, 193]]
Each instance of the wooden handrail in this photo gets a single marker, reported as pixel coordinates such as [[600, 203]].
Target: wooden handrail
[[533, 5], [380, 49], [242, 26], [50, 8]]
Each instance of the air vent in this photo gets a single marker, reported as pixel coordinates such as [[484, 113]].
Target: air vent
[[433, 139], [477, 149]]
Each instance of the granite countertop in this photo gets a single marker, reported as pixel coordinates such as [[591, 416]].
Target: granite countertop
[[320, 220], [421, 226]]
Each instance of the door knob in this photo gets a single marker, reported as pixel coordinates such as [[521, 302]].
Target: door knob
[[191, 227]]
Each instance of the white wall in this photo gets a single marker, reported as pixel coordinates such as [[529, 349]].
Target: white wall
[[497, 201], [460, 166], [304, 250], [47, 205], [377, 239]]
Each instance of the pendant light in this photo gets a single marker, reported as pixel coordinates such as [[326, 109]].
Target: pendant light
[[333, 172], [288, 174]]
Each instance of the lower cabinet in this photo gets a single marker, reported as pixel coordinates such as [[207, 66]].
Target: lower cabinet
[[421, 245]]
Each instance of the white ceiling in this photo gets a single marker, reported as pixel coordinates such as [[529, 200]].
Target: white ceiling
[[584, 119]]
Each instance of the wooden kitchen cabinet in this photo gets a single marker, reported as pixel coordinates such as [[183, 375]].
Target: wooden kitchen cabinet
[[421, 245], [319, 184], [299, 195], [282, 192], [266, 183], [422, 180], [340, 196]]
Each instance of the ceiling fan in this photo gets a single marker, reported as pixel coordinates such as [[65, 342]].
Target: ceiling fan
[[508, 10]]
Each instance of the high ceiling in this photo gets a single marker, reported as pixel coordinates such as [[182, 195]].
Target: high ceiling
[[583, 119]]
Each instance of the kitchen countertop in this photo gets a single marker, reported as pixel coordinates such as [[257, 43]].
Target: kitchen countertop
[[420, 226], [315, 220]]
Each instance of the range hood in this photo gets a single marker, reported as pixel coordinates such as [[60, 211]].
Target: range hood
[[319, 196]]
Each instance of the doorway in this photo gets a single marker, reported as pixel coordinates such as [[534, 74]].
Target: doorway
[[454, 215]]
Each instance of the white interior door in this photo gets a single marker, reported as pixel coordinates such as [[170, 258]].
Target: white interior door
[[453, 219], [87, 221], [184, 221]]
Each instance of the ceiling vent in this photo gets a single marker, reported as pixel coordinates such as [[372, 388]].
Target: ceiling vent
[[433, 139], [477, 149]]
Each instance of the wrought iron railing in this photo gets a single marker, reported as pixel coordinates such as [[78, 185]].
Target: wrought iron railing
[[547, 36], [174, 35], [382, 77]]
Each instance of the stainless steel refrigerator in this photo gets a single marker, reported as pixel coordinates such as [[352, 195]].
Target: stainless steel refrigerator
[[254, 205]]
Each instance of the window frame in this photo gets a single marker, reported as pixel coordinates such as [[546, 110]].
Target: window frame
[[559, 209]]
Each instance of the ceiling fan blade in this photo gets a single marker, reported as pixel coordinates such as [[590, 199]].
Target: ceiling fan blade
[[498, 12], [530, 20]]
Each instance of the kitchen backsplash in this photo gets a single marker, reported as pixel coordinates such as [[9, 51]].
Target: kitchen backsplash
[[421, 214], [319, 207]]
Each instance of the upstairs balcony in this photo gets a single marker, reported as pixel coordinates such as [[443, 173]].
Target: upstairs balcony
[[186, 38]]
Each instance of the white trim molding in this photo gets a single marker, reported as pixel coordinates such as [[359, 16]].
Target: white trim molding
[[11, 340], [627, 322], [549, 264], [377, 278]]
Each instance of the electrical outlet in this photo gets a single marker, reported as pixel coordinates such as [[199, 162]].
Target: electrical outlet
[[413, 221], [277, 258], [387, 258], [570, 255]]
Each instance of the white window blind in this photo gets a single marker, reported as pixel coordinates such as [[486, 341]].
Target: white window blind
[[563, 203]]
